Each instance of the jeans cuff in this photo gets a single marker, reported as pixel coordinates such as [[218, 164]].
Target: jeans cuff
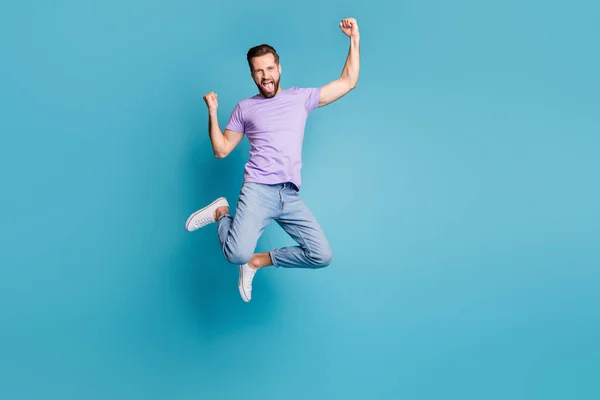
[[273, 260], [223, 216]]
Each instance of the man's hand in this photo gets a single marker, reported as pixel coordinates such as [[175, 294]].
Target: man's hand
[[211, 101], [350, 27]]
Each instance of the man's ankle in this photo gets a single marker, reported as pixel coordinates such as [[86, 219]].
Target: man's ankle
[[260, 260], [219, 212]]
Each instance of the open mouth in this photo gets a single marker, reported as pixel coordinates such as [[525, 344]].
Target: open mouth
[[269, 86]]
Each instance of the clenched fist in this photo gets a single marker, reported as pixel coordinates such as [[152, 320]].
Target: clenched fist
[[211, 101], [350, 27]]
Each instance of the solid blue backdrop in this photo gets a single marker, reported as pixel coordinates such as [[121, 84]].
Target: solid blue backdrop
[[458, 185]]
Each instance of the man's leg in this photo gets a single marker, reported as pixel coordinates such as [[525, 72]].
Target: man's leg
[[313, 250], [239, 234]]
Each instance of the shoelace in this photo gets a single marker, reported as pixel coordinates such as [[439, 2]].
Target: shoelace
[[249, 277], [203, 221]]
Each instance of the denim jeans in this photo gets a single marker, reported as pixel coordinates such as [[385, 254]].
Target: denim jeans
[[258, 205]]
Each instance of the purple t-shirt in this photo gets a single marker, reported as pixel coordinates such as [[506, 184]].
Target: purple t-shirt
[[275, 129]]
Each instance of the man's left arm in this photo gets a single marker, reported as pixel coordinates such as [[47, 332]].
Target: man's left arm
[[349, 78]]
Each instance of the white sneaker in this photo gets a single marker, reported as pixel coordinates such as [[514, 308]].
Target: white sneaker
[[206, 215], [245, 281]]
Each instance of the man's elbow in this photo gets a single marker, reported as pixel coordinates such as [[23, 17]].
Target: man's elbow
[[224, 150], [350, 83], [221, 154]]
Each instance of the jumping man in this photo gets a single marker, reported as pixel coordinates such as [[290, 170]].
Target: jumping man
[[274, 121]]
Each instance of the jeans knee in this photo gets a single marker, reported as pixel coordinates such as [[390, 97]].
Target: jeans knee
[[321, 258], [237, 256]]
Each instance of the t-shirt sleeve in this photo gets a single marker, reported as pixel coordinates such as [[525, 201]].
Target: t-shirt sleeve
[[236, 120], [312, 96]]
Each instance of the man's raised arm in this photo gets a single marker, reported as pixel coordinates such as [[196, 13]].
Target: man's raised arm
[[349, 78]]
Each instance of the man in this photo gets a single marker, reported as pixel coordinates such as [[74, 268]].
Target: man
[[274, 121]]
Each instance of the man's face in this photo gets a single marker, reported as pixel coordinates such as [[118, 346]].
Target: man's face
[[266, 74]]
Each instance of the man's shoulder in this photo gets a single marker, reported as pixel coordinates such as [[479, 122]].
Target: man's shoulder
[[244, 104]]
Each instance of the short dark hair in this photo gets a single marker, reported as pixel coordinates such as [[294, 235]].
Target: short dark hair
[[261, 50]]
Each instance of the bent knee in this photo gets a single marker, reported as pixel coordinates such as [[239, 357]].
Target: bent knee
[[237, 256], [321, 258]]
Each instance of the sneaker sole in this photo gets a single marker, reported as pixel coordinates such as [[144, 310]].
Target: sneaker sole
[[187, 223]]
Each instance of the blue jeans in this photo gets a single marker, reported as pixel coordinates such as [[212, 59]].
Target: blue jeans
[[258, 205]]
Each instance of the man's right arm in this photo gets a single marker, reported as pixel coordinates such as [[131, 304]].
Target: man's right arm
[[223, 143]]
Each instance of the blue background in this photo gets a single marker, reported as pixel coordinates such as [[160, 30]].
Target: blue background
[[458, 185]]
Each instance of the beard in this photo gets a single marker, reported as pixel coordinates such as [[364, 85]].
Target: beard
[[266, 92]]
